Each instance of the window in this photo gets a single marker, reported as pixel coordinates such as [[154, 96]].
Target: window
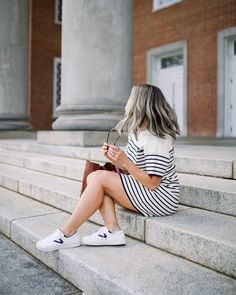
[[160, 4], [56, 84], [171, 61], [58, 11]]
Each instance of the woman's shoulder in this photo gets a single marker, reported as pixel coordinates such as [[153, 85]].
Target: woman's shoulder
[[153, 144]]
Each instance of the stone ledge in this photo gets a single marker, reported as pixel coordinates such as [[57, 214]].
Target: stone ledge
[[18, 134], [76, 138]]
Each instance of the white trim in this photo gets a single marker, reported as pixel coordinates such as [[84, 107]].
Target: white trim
[[56, 20], [156, 4], [166, 50], [56, 60], [222, 40]]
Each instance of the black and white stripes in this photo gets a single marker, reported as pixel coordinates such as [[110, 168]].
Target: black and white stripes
[[156, 156]]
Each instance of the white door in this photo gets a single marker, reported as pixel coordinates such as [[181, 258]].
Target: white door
[[168, 75], [230, 88]]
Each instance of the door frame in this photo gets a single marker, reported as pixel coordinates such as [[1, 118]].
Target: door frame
[[162, 51], [222, 45]]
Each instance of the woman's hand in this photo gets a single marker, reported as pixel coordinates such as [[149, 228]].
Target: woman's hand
[[115, 154], [120, 159]]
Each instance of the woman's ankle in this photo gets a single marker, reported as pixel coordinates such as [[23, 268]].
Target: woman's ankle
[[67, 232], [113, 229]]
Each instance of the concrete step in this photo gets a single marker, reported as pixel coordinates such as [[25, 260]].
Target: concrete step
[[216, 161], [63, 194], [55, 165], [56, 191], [209, 193], [205, 192], [195, 234], [96, 270], [205, 237]]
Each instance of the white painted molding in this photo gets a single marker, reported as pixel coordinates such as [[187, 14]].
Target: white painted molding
[[156, 4], [166, 50], [222, 37], [56, 62], [58, 12]]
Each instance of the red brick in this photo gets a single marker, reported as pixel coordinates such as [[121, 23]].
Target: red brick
[[44, 45], [197, 22]]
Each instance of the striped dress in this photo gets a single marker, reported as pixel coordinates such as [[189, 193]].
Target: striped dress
[[155, 156]]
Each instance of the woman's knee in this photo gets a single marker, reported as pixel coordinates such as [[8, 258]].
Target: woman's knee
[[98, 176]]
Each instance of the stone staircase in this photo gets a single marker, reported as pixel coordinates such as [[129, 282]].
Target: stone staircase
[[190, 252]]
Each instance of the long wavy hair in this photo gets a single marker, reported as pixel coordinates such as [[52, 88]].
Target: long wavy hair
[[147, 108]]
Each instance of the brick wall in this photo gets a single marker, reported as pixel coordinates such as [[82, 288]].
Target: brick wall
[[197, 22], [45, 44]]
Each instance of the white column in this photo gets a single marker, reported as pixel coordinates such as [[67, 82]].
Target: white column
[[96, 63], [14, 31]]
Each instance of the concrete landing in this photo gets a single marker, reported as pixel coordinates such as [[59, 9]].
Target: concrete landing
[[22, 274]]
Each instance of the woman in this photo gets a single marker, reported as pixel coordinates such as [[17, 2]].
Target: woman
[[151, 187]]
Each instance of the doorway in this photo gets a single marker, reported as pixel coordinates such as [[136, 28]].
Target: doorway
[[167, 70], [230, 87]]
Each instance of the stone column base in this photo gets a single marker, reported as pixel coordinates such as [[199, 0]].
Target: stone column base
[[78, 138], [10, 124], [96, 122], [18, 134]]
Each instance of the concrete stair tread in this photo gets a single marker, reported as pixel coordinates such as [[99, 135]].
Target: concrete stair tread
[[205, 192], [214, 161], [200, 227], [71, 188], [55, 183], [208, 225], [210, 193], [201, 236], [51, 164], [30, 145], [15, 206], [41, 157], [208, 182], [98, 270], [208, 152]]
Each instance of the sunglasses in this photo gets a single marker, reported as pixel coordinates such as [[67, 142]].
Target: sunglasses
[[108, 135]]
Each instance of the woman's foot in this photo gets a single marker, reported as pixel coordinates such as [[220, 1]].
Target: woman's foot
[[58, 240], [104, 237]]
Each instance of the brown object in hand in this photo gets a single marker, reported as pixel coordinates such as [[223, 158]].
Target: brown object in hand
[[92, 166]]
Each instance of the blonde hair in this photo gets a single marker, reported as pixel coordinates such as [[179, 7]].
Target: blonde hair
[[148, 108]]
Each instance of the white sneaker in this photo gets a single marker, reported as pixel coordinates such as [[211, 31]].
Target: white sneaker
[[105, 238], [57, 240]]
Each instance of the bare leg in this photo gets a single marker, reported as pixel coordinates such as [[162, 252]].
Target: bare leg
[[93, 197], [108, 213]]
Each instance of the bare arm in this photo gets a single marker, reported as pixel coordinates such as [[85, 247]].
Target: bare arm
[[119, 157]]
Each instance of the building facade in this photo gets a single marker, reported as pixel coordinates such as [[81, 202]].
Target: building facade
[[186, 47]]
